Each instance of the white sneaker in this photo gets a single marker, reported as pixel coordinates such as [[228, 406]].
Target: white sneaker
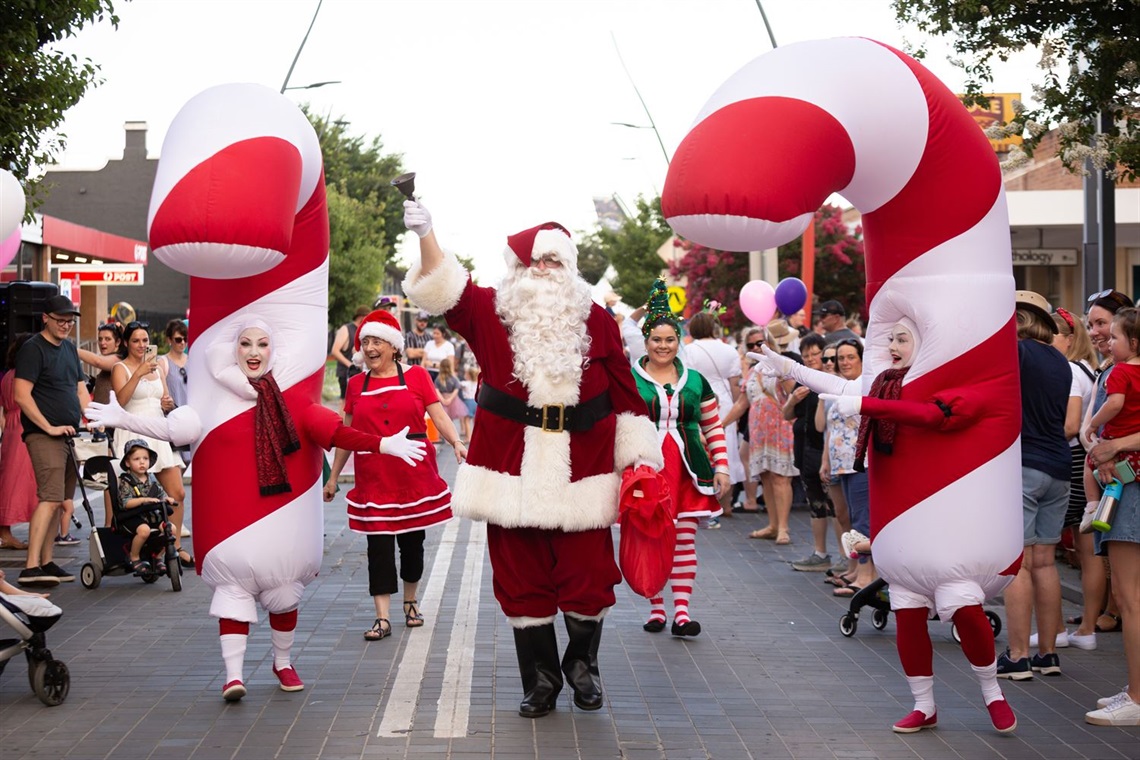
[[185, 532], [1082, 642], [1063, 640], [1120, 711], [1104, 701]]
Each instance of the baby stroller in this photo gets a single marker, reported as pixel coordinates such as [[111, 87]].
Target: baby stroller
[[29, 617], [110, 547], [876, 596]]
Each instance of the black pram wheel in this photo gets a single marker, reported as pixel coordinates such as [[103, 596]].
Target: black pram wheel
[[848, 624], [174, 570], [995, 622], [51, 681], [879, 619]]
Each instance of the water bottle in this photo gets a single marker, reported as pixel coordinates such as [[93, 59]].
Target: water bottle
[[1106, 510]]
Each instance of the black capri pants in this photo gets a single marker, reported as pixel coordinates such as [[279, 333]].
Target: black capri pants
[[382, 560], [819, 503]]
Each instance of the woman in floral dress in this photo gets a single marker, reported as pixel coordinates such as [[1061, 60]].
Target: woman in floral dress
[[771, 456]]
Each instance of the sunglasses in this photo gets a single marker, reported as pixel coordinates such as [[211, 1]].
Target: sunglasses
[[132, 326], [178, 339], [1113, 295], [754, 345], [182, 371], [828, 359]]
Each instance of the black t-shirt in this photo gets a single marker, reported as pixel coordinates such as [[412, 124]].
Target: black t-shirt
[[1045, 383], [55, 375], [347, 352]]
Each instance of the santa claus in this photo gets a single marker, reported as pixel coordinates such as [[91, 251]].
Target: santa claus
[[559, 419]]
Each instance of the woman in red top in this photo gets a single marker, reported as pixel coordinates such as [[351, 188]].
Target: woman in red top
[[393, 501]]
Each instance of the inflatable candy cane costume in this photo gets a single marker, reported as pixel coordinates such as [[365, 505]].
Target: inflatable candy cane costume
[[767, 149], [239, 204]]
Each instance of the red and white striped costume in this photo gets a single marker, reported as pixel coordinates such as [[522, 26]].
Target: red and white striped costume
[[772, 143]]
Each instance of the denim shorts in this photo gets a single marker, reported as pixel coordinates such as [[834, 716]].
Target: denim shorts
[[855, 490], [1126, 521], [1044, 501]]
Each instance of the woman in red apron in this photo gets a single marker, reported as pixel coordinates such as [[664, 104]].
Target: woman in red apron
[[394, 499]]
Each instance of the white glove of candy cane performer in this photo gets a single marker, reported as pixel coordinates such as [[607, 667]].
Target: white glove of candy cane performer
[[773, 364], [399, 445], [417, 218], [181, 427], [847, 406]]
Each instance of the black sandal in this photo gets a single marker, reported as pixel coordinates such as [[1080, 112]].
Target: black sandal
[[412, 616], [188, 560], [139, 567], [381, 629]]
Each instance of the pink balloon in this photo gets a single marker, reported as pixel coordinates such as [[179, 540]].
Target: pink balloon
[[758, 301], [8, 247]]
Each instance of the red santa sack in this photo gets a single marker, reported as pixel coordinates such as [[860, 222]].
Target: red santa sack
[[648, 533]]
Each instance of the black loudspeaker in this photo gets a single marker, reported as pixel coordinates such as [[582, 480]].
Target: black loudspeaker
[[21, 310]]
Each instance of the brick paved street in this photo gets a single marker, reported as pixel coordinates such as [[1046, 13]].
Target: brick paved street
[[770, 676]]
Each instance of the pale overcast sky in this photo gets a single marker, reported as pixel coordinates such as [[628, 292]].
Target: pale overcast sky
[[502, 107]]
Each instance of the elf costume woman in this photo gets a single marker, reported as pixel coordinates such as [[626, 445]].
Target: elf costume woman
[[683, 407]]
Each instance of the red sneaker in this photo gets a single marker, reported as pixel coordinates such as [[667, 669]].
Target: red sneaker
[[233, 691], [289, 679], [915, 722], [1001, 714]]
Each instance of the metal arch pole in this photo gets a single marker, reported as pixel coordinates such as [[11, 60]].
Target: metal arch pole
[[302, 47]]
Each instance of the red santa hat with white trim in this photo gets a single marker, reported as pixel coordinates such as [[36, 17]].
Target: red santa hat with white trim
[[548, 237], [378, 324]]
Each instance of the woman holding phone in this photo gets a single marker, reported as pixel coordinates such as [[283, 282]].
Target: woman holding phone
[[140, 387]]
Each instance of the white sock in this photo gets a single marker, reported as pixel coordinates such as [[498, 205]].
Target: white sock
[[233, 655], [820, 554], [922, 689], [987, 677], [282, 647]]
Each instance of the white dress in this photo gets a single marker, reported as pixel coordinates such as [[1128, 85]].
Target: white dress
[[147, 402]]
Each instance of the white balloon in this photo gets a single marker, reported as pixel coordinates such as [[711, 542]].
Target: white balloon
[[13, 203]]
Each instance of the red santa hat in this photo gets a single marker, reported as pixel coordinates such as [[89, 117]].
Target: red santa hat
[[378, 324], [549, 237]]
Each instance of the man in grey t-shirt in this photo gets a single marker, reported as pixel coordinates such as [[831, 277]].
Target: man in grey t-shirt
[[835, 323]]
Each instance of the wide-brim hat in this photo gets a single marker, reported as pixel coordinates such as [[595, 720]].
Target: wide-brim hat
[[1036, 303], [780, 332], [137, 443]]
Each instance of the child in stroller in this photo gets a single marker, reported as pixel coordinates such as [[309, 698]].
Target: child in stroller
[[29, 616], [143, 505], [140, 540]]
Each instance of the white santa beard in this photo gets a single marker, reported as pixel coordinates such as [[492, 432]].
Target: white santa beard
[[546, 318]]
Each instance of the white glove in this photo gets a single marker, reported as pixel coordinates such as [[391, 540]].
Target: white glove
[[771, 363], [417, 218], [646, 463], [847, 406], [398, 445], [106, 415]]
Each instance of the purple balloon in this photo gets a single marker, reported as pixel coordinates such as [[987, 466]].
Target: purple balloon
[[791, 295]]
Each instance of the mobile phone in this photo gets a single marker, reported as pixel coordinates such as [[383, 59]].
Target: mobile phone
[[151, 353], [1124, 472]]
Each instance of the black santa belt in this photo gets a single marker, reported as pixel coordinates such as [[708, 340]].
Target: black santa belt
[[551, 418]]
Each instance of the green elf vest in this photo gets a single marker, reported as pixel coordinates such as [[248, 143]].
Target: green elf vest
[[679, 417]]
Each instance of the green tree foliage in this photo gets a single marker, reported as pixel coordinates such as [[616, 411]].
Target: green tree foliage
[[38, 84], [593, 261], [365, 214], [1090, 62], [839, 270], [632, 250]]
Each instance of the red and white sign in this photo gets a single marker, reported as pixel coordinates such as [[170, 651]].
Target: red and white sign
[[103, 275]]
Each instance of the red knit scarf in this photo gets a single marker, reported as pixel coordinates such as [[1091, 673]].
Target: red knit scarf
[[888, 385], [274, 436]]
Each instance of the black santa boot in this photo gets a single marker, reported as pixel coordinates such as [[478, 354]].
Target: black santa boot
[[537, 650], [580, 663]]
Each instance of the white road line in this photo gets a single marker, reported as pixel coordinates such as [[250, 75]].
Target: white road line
[[455, 699], [405, 694]]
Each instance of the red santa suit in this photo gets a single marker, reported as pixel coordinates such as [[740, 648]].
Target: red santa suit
[[546, 486]]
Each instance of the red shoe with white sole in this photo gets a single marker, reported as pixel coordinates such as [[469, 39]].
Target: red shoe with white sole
[[915, 722], [233, 691], [1001, 714], [289, 679]]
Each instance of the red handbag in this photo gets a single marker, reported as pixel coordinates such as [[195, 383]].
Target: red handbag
[[648, 533]]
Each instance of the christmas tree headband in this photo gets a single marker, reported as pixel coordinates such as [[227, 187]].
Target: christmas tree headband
[[657, 309]]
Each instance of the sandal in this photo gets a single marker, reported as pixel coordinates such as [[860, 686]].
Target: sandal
[[12, 543], [139, 566], [412, 616], [767, 534], [185, 558], [381, 629], [783, 539], [847, 591], [1115, 628]]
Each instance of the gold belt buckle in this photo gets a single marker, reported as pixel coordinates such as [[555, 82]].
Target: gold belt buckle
[[546, 409]]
